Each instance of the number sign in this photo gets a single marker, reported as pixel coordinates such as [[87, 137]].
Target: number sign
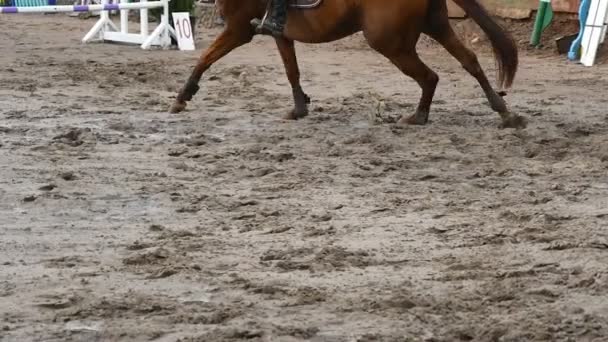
[[183, 30]]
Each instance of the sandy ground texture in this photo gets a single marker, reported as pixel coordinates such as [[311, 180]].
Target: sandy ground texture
[[121, 222]]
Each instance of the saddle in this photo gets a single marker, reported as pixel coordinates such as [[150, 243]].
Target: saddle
[[303, 4]]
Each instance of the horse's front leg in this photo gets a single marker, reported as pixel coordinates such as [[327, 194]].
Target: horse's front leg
[[227, 41], [288, 54]]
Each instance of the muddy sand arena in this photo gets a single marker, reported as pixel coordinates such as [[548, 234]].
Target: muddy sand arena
[[122, 222]]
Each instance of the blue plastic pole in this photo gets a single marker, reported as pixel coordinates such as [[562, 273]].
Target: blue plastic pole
[[583, 12]]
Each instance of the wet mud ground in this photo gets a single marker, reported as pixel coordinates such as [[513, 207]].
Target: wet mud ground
[[121, 222]]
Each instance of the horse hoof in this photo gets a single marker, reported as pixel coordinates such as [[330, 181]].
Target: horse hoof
[[296, 114], [413, 120], [301, 113], [177, 107], [514, 121]]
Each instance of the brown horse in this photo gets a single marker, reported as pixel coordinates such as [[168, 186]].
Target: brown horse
[[391, 27]]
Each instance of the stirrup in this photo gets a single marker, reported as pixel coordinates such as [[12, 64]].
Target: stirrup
[[263, 27]]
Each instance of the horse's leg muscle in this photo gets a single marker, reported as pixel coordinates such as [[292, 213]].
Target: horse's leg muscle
[[290, 61], [227, 41]]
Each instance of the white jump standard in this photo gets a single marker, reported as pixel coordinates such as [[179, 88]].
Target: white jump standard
[[106, 30], [595, 31]]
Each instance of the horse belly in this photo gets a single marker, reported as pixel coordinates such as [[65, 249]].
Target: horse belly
[[333, 20]]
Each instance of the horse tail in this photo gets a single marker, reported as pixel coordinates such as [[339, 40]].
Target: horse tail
[[505, 50]]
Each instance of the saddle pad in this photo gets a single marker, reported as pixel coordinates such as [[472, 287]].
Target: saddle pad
[[304, 3]]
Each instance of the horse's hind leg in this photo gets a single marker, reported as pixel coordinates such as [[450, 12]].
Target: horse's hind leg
[[301, 100], [400, 49], [410, 64], [439, 29], [227, 41]]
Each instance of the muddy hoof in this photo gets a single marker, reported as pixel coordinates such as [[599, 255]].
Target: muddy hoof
[[296, 114], [301, 113], [514, 121], [177, 107], [415, 119]]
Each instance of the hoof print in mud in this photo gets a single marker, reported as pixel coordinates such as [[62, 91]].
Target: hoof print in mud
[[151, 255]]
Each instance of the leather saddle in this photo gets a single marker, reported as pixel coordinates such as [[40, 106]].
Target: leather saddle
[[303, 4]]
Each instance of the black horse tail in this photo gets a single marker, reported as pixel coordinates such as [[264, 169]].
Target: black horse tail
[[505, 49]]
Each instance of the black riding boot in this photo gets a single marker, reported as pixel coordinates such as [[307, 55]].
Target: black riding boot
[[275, 23]]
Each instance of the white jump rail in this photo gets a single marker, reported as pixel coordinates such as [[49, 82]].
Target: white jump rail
[[106, 30]]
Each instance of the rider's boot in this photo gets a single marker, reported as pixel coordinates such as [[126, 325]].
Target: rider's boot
[[275, 23]]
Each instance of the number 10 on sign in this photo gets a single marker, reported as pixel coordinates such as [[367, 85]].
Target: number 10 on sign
[[183, 30]]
